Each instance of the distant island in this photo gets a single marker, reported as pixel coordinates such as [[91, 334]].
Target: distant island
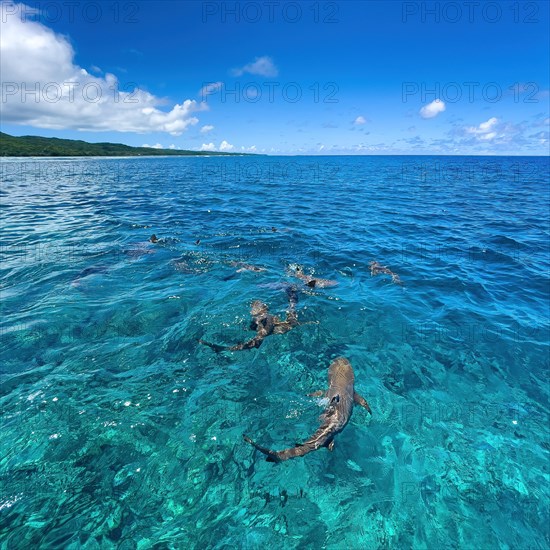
[[35, 146]]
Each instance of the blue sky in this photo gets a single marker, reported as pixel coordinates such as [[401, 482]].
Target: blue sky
[[282, 77]]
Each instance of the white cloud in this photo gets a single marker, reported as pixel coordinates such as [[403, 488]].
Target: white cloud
[[432, 109], [541, 137], [484, 128], [251, 149], [485, 131], [224, 146], [172, 146], [207, 147], [360, 120], [155, 146], [206, 128], [262, 66], [43, 87]]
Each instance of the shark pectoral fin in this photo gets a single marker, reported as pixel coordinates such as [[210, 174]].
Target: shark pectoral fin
[[330, 446], [359, 400], [318, 393]]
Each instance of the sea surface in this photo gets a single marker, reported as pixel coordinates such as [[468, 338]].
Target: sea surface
[[119, 430]]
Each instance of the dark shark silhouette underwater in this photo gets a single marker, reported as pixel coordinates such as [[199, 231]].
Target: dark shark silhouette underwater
[[341, 397]]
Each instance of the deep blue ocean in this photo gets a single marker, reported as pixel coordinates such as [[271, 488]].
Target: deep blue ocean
[[119, 430]]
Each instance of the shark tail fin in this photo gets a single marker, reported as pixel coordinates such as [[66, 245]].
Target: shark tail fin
[[272, 456], [217, 348]]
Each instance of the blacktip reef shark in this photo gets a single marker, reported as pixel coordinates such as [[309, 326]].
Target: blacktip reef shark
[[163, 241], [341, 397], [264, 323], [376, 269], [241, 267], [311, 282]]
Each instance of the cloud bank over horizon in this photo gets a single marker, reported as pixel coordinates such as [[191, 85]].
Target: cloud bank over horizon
[[43, 87]]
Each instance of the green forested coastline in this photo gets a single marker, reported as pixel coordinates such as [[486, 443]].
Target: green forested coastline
[[35, 146]]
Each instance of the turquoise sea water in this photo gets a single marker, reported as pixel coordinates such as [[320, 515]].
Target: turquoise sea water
[[120, 431]]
